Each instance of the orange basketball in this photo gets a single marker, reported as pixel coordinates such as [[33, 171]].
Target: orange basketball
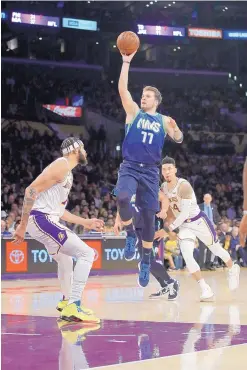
[[128, 42]]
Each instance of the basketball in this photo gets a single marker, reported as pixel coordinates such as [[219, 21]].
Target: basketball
[[128, 42]]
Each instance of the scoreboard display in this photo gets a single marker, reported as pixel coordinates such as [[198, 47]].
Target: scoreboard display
[[161, 30], [34, 19]]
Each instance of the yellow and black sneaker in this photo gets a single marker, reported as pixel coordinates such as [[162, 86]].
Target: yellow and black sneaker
[[74, 312], [61, 304]]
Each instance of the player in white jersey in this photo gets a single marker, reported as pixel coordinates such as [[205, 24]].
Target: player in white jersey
[[192, 223], [44, 204]]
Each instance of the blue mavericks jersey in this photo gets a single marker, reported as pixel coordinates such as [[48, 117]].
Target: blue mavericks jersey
[[144, 139]]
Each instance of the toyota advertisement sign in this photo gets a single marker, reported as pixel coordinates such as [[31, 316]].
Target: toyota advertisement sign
[[31, 257]]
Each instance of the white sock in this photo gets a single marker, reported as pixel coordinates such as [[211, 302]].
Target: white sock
[[202, 284], [81, 273]]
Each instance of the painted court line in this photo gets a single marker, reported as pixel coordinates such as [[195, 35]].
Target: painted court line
[[20, 334], [111, 335]]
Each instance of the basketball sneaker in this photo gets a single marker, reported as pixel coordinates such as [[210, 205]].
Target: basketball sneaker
[[64, 302], [162, 292], [144, 274], [207, 293], [173, 289], [233, 277], [74, 312], [130, 247], [61, 304]]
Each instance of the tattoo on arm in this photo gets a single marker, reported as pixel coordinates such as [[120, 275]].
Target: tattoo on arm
[[185, 190], [30, 197]]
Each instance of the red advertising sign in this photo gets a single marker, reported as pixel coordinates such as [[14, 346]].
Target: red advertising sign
[[64, 111]]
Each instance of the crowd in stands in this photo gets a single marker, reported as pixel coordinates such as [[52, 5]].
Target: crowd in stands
[[26, 87]]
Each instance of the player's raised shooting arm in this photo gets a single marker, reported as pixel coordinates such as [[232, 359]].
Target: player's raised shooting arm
[[130, 107], [172, 129], [53, 174], [185, 191]]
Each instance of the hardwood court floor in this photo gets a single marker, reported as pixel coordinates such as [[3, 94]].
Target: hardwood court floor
[[135, 332]]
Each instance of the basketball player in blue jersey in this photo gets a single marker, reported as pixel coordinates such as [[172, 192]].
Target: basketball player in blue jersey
[[139, 173], [167, 284]]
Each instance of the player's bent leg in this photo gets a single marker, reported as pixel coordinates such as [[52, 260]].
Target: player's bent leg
[[126, 187], [147, 243], [208, 236], [125, 211], [65, 277], [84, 255], [187, 245], [233, 269], [157, 269]]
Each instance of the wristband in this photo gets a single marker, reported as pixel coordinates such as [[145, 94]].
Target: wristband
[[166, 228]]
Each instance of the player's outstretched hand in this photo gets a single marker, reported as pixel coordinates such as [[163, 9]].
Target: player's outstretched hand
[[94, 224], [19, 234], [160, 234], [128, 58], [243, 231]]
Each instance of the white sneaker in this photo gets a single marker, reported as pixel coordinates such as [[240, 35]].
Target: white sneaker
[[207, 293], [233, 277]]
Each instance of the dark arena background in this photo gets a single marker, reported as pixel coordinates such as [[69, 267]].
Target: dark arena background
[[60, 71]]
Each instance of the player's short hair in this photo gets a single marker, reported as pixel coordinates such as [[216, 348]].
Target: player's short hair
[[156, 92], [168, 160], [70, 144]]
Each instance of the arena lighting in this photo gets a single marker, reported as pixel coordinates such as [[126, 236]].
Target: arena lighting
[[240, 85], [174, 2], [147, 5], [179, 48], [169, 5], [97, 43], [226, 8], [165, 7], [114, 46], [229, 75], [223, 10], [40, 38], [151, 2], [235, 78], [174, 49]]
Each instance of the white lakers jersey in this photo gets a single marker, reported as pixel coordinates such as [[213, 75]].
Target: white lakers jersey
[[175, 199], [53, 201]]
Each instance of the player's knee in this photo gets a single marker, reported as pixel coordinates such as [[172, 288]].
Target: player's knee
[[123, 198], [187, 250], [91, 254], [219, 251]]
